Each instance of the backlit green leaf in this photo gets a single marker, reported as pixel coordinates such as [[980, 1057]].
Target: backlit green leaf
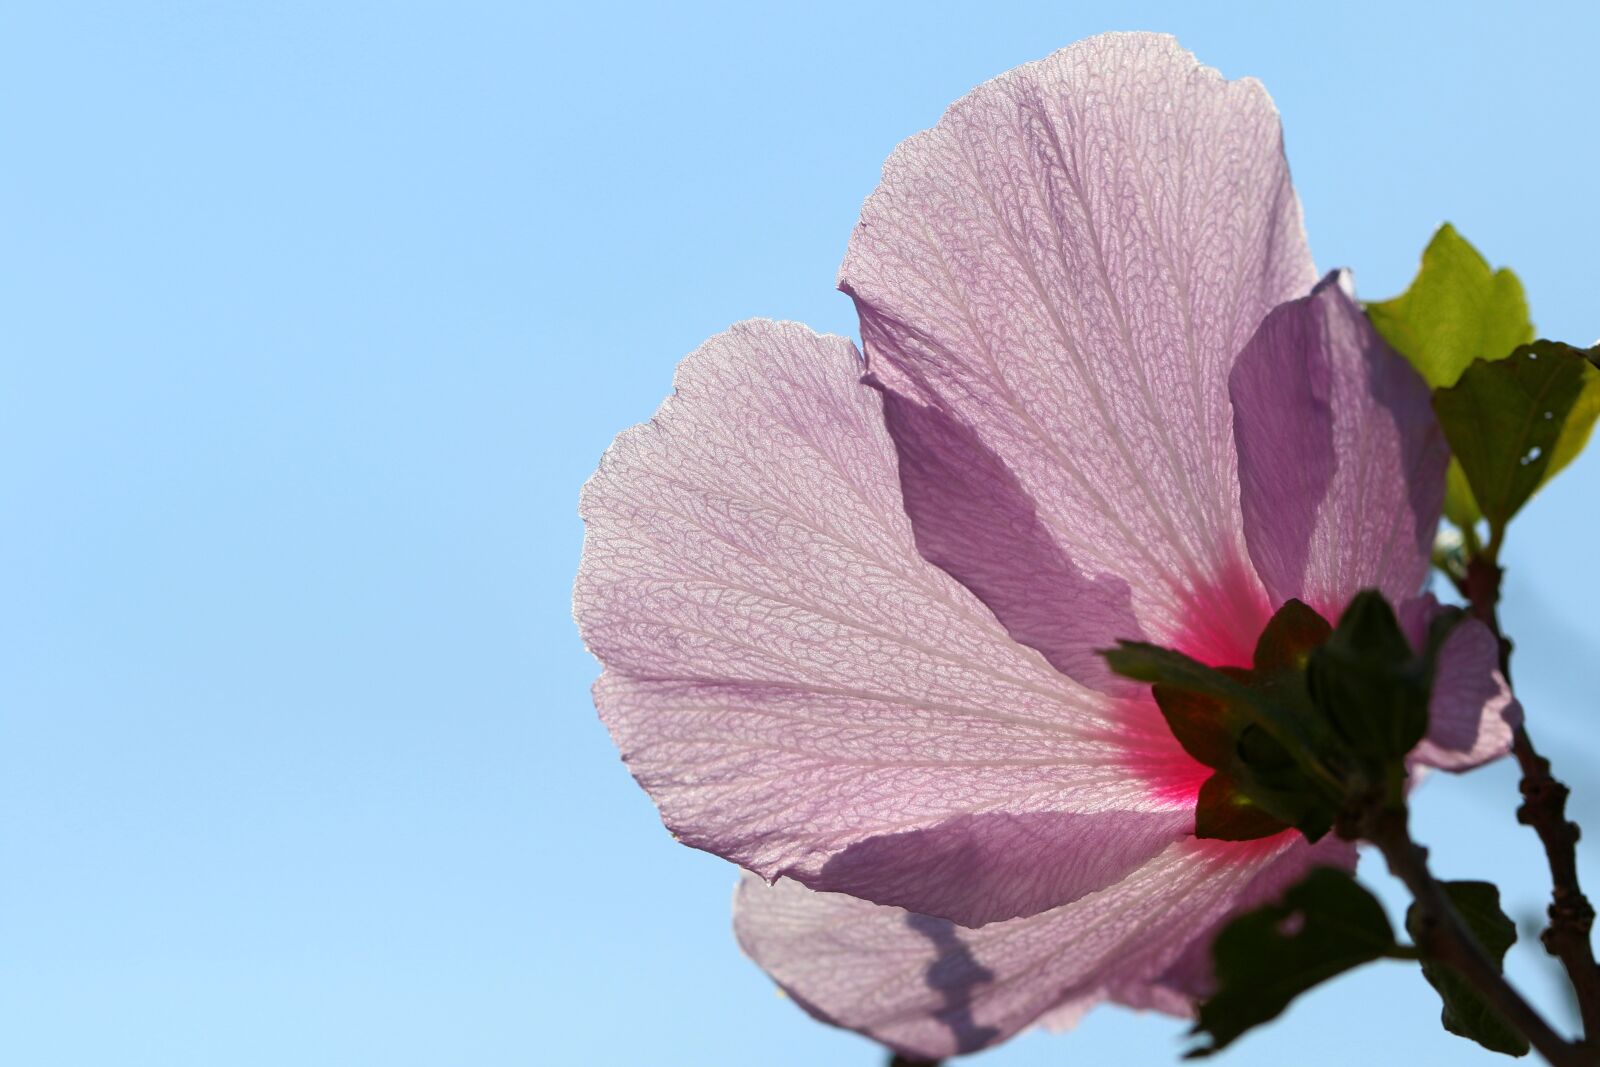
[[1457, 310], [1460, 506]]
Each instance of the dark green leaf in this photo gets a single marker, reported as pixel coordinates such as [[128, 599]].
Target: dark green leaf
[[1282, 657], [1465, 1012], [1204, 725], [1284, 792], [1290, 636], [1370, 684], [1144, 662], [1262, 753], [1225, 813], [1325, 925], [1259, 788], [1512, 424]]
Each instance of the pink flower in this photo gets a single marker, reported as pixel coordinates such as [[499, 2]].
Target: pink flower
[[849, 612]]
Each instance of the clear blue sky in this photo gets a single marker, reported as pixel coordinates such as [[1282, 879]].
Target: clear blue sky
[[313, 318]]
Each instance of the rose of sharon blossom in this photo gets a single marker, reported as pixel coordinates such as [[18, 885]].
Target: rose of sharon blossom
[[849, 610]]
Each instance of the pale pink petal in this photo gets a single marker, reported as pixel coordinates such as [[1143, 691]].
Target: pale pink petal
[[1190, 977], [983, 868], [929, 988], [1341, 461], [1472, 712], [1066, 1016], [1057, 277], [973, 518], [800, 691], [1177, 989]]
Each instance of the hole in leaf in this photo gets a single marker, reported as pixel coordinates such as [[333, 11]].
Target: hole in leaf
[[1292, 924]]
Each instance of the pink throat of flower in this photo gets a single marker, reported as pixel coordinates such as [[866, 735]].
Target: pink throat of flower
[[1223, 617]]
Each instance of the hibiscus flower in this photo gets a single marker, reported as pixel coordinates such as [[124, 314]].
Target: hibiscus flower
[[850, 610]]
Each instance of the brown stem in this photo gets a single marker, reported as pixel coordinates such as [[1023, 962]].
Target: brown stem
[[901, 1061], [1544, 807], [1441, 935]]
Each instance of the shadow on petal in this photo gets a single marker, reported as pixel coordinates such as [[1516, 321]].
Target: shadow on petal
[[954, 974], [972, 518]]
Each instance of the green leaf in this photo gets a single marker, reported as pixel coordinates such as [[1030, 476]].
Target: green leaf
[[1580, 420], [1465, 1012], [1370, 684], [1514, 423], [1324, 926], [1457, 310]]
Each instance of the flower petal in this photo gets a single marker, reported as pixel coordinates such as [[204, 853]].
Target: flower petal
[[1341, 461], [930, 989], [1472, 713], [800, 691], [1057, 277], [1028, 862], [1190, 977]]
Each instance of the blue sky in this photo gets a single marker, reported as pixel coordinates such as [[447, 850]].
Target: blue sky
[[313, 318]]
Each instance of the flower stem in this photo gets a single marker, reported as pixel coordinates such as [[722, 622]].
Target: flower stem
[[1544, 808], [1441, 935]]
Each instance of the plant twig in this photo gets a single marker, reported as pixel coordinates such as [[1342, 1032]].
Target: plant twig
[[1441, 935], [1544, 808]]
